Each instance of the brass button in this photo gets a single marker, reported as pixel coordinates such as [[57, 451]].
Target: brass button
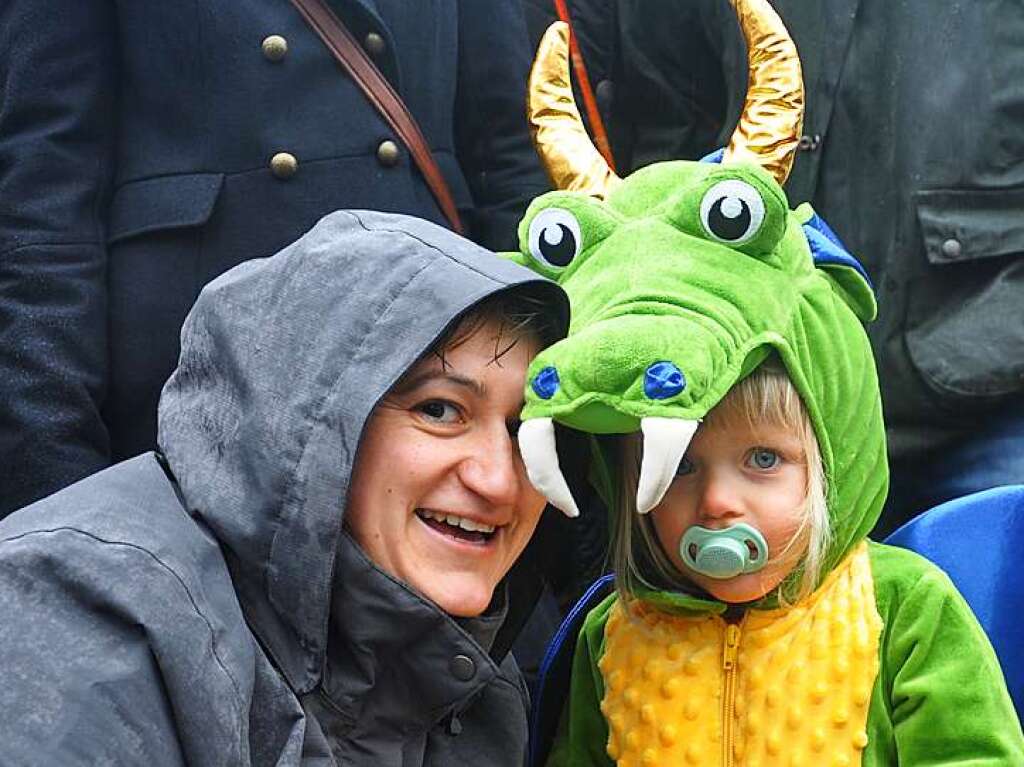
[[374, 44], [387, 154], [275, 47], [283, 165]]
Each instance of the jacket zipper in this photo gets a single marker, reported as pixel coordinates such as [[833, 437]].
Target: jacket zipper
[[730, 650]]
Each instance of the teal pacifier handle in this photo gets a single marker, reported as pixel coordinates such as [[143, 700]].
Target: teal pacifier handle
[[724, 553]]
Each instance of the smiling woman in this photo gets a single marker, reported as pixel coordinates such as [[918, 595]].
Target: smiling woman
[[440, 497], [328, 557]]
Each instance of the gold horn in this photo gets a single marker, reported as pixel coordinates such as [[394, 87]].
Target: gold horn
[[769, 128], [569, 156]]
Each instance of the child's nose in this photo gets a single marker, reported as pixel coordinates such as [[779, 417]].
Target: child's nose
[[719, 498]]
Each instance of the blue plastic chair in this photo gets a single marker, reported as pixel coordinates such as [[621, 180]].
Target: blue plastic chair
[[979, 541]]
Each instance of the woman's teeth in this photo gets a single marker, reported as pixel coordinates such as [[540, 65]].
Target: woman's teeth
[[455, 521]]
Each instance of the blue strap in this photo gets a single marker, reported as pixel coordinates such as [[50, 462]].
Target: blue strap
[[565, 631]]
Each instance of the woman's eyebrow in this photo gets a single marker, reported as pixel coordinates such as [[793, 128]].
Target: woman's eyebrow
[[431, 376]]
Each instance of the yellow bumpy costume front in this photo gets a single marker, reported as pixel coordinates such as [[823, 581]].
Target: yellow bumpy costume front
[[789, 686]]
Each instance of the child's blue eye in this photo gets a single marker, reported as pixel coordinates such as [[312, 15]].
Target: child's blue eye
[[763, 458], [685, 467]]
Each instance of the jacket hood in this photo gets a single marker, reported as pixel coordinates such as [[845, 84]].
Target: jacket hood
[[681, 283], [282, 360]]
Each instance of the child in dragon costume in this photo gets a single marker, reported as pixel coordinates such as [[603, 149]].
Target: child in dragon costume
[[754, 623]]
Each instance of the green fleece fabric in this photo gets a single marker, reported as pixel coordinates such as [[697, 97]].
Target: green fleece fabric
[[939, 698], [651, 283], [650, 279]]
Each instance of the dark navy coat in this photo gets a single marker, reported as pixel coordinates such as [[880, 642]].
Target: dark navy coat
[[136, 147]]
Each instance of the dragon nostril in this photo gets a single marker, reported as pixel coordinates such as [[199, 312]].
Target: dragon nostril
[[663, 380], [545, 383]]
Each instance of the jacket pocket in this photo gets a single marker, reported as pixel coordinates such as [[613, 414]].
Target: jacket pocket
[[165, 202], [965, 315]]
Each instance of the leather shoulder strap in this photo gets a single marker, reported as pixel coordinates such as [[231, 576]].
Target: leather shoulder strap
[[579, 69], [378, 90]]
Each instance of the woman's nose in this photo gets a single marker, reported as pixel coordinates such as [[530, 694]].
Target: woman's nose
[[494, 470]]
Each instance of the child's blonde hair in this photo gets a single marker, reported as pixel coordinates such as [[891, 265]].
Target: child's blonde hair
[[765, 397]]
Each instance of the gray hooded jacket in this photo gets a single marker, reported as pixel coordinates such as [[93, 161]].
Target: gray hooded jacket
[[204, 606]]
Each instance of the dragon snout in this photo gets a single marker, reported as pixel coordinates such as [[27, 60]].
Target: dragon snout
[[665, 440], [545, 384], [661, 380], [625, 374]]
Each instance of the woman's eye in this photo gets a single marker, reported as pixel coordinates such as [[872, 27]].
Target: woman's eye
[[685, 467], [439, 411], [763, 458]]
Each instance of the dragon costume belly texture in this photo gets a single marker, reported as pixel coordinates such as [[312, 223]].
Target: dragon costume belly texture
[[777, 687], [883, 665], [683, 278]]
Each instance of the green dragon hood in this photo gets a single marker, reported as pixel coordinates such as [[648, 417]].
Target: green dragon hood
[[681, 282]]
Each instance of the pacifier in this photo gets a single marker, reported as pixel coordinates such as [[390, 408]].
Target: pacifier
[[724, 553]]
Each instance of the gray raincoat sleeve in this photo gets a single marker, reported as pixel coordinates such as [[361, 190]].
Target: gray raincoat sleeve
[[93, 670]]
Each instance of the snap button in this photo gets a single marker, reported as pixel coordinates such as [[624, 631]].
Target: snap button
[[387, 154], [283, 165], [951, 248], [274, 47], [374, 44], [809, 143], [462, 667]]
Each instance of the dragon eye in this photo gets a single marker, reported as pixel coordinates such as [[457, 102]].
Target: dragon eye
[[732, 211], [555, 237]]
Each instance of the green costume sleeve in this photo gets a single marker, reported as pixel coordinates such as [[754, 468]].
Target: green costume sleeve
[[946, 697], [582, 737]]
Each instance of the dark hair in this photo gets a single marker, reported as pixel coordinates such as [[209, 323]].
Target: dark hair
[[519, 313]]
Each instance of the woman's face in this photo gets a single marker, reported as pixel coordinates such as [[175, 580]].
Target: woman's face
[[734, 473], [439, 495]]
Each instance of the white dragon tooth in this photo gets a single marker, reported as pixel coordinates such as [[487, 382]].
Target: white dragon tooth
[[665, 442], [537, 446]]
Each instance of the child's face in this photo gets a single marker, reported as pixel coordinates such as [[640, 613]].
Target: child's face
[[732, 473]]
